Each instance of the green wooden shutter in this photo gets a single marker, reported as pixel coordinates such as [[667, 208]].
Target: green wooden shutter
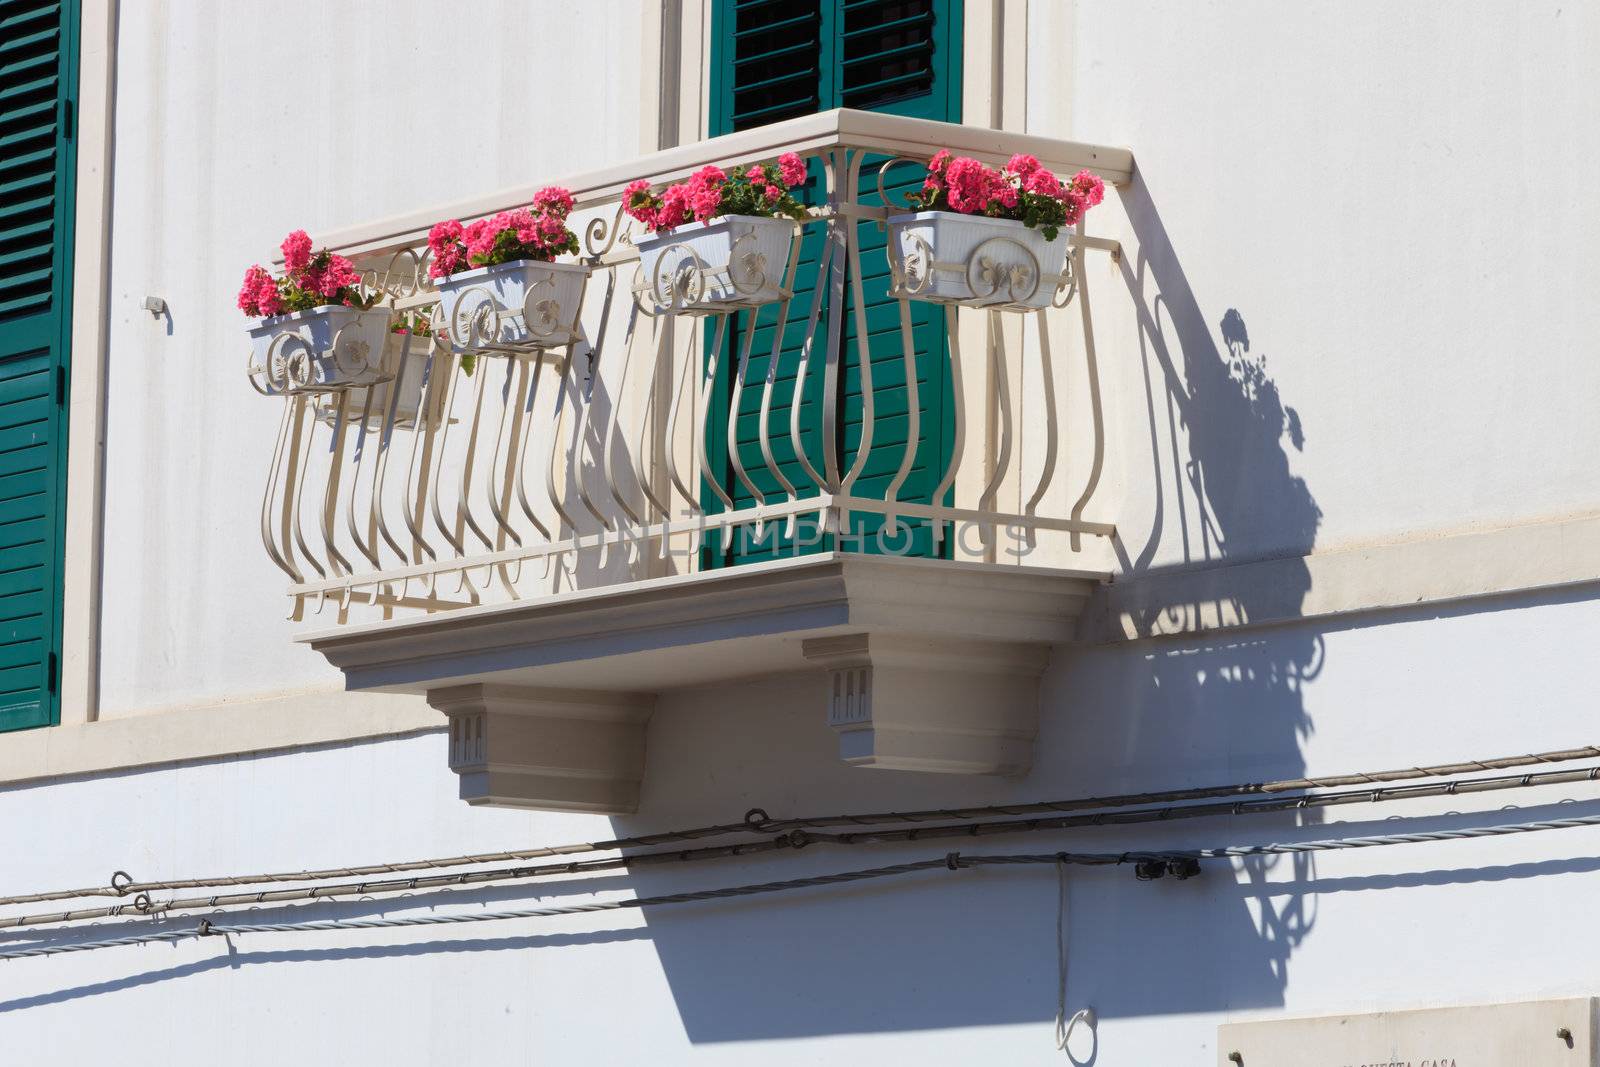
[[38, 82], [899, 56], [776, 59]]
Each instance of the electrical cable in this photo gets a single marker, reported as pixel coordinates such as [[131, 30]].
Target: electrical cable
[[796, 839], [127, 886], [952, 861]]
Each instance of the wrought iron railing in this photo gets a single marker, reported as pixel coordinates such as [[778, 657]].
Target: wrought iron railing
[[591, 452]]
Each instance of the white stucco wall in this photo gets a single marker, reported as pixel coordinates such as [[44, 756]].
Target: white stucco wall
[[1384, 200], [938, 967], [235, 124], [1387, 202], [1362, 201]]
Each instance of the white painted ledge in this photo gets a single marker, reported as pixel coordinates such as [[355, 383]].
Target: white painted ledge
[[1440, 570], [209, 732]]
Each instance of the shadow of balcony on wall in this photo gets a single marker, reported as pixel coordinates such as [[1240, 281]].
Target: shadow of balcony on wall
[[1183, 704], [1192, 702]]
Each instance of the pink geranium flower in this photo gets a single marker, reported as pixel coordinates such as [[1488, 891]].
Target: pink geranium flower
[[675, 207], [269, 301], [311, 279], [760, 189], [1090, 185], [553, 199], [1023, 165], [538, 232], [478, 237], [637, 201], [704, 195], [328, 279], [971, 185], [257, 284], [296, 250], [1042, 183], [792, 169], [1024, 191], [1075, 205]]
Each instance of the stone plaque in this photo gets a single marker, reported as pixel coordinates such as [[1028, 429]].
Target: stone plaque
[[1542, 1033]]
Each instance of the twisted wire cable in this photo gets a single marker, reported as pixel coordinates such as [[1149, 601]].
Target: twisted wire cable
[[757, 821], [951, 861], [142, 904]]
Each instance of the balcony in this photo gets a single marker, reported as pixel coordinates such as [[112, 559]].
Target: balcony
[[663, 495]]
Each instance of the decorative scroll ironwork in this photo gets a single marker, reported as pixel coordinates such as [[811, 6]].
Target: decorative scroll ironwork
[[582, 454]]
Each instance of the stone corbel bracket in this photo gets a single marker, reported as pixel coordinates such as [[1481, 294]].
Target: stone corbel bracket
[[552, 749], [916, 703], [934, 665]]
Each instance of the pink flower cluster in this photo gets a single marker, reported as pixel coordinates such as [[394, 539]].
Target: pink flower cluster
[[710, 192], [1024, 190], [699, 198], [258, 295], [327, 276], [310, 280], [971, 187], [296, 251], [539, 232]]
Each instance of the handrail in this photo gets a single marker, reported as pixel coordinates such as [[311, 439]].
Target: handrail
[[839, 128]]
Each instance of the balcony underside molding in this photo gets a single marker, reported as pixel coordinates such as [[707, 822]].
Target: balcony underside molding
[[707, 628], [548, 699]]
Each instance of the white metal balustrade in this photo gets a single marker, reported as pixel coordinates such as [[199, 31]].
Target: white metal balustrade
[[584, 456]]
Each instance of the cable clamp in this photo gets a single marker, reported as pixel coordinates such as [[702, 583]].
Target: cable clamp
[[952, 861], [1149, 870], [1183, 867]]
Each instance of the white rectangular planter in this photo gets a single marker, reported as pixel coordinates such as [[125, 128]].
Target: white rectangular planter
[[975, 261], [320, 350], [404, 366], [729, 262], [513, 307]]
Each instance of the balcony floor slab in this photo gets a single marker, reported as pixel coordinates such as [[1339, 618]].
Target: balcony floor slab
[[708, 627]]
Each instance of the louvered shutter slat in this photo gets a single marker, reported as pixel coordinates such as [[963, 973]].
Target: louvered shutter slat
[[871, 54], [37, 74], [776, 55]]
